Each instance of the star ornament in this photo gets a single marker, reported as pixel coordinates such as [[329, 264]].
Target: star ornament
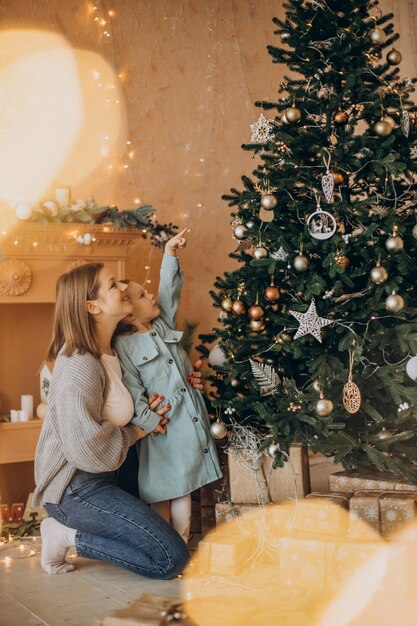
[[310, 322]]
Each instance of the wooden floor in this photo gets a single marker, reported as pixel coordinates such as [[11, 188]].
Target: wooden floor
[[30, 597]]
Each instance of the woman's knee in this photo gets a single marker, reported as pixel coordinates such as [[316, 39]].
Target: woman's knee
[[175, 560]]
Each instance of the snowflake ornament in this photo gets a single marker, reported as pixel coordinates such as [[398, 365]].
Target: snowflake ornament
[[261, 129], [280, 255], [310, 322]]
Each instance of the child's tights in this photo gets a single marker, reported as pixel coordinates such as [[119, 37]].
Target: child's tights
[[178, 512]]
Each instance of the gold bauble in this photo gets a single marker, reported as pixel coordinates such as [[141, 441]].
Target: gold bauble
[[257, 326], [260, 252], [284, 119], [390, 120], [415, 231], [218, 429], [239, 231], [378, 275], [301, 263], [293, 115], [394, 302], [394, 57], [316, 385], [286, 337], [268, 201], [227, 304], [341, 117], [234, 382], [377, 36], [256, 312], [338, 178], [394, 244], [342, 260], [324, 407], [238, 307], [271, 293], [382, 128]]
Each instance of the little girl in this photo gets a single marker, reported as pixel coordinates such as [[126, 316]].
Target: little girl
[[173, 466]]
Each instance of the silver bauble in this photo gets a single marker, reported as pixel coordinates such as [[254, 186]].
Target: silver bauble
[[394, 244], [394, 302], [415, 232], [377, 36], [268, 201], [218, 429], [285, 36], [250, 224], [394, 57], [411, 368], [217, 357], [301, 263], [378, 275], [260, 252], [273, 449], [382, 128], [316, 385], [239, 231], [324, 407]]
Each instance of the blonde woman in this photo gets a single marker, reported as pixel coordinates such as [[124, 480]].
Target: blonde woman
[[86, 436]]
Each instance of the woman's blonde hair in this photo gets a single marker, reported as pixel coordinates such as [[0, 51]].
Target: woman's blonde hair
[[74, 328]]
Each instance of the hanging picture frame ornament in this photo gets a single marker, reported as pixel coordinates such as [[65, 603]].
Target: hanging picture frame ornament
[[327, 181], [351, 393], [321, 224]]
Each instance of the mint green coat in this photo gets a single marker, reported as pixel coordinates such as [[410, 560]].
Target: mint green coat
[[184, 459]]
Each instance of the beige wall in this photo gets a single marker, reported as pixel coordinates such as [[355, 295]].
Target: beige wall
[[193, 69]]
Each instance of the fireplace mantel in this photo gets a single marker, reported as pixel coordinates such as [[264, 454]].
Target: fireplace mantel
[[36, 254]]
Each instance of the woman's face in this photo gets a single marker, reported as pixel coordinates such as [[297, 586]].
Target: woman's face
[[112, 298], [145, 307]]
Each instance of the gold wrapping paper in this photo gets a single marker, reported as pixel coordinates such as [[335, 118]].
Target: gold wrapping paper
[[224, 555], [385, 513], [322, 513]]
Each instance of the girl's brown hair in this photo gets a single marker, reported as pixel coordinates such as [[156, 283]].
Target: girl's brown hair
[[74, 328]]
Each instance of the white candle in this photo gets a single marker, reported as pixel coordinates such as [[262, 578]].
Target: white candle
[[63, 195], [14, 415], [23, 415], [26, 404]]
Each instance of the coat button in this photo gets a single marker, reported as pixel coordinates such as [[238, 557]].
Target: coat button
[[183, 390], [153, 333], [195, 419], [170, 361], [205, 450], [145, 358]]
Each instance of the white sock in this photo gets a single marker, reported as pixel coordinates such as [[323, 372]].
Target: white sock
[[56, 541], [181, 515]]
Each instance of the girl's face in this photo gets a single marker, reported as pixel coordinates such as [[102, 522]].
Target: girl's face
[[112, 300], [145, 307]]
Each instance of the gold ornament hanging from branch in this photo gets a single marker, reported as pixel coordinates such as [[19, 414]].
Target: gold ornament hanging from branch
[[351, 393]]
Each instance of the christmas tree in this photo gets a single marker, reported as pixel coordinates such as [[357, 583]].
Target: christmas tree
[[319, 325]]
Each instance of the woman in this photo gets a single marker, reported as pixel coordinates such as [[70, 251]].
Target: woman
[[86, 437]]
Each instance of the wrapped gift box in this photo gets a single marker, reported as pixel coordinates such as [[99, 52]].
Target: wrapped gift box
[[385, 513], [372, 481], [303, 561], [252, 480], [224, 555], [322, 513], [149, 610]]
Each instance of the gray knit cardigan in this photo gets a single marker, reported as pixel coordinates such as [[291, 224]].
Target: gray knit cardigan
[[73, 435]]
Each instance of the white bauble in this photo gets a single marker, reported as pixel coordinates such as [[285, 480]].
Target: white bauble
[[411, 368], [52, 207], [217, 357], [218, 429], [41, 410], [23, 211]]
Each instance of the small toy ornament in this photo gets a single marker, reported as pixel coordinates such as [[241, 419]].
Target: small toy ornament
[[321, 224], [327, 181]]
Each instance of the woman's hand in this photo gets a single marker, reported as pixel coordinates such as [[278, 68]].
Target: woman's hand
[[195, 378], [154, 401]]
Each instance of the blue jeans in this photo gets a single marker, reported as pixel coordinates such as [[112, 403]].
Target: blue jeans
[[112, 525]]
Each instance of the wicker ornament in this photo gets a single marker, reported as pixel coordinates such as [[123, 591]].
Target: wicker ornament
[[351, 393], [15, 277]]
